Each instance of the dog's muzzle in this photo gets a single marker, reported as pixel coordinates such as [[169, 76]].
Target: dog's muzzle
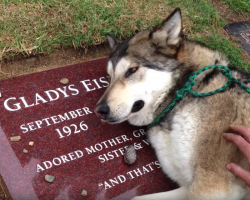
[[102, 110]]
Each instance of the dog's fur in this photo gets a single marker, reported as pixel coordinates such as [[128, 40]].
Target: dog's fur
[[188, 140]]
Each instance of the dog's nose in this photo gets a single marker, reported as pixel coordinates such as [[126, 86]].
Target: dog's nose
[[102, 110]]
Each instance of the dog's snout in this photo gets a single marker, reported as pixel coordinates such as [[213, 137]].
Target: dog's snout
[[102, 110]]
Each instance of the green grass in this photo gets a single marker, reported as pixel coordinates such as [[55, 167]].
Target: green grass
[[217, 42], [30, 27], [239, 5], [207, 29], [202, 13]]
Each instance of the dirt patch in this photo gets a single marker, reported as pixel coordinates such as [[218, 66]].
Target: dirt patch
[[20, 65], [227, 14]]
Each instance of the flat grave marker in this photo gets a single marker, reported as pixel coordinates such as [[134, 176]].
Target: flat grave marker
[[62, 138], [241, 30]]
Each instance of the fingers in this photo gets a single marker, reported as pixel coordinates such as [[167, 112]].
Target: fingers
[[242, 130], [239, 172], [240, 142]]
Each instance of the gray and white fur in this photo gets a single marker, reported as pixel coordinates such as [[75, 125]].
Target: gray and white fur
[[145, 72]]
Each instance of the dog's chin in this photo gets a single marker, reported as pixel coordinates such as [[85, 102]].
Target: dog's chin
[[114, 121], [111, 120]]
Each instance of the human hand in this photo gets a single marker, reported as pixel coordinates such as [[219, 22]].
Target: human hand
[[242, 141]]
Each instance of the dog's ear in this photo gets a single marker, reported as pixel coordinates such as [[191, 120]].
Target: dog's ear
[[113, 41], [173, 24], [170, 30]]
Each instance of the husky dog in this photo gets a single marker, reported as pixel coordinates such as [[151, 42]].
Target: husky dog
[[146, 70]]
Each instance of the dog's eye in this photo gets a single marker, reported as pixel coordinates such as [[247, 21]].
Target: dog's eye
[[131, 71]]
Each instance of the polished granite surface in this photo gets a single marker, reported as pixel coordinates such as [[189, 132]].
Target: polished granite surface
[[241, 30], [70, 142]]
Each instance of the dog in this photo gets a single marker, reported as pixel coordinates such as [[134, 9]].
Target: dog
[[146, 70]]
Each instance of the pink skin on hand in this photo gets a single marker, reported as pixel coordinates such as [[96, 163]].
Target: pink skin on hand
[[242, 141]]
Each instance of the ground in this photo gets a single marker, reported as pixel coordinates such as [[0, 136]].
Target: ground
[[39, 27], [21, 63], [227, 14]]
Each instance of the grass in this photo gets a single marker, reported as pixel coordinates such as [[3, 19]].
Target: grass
[[239, 5], [232, 50], [30, 27], [36, 26], [207, 29]]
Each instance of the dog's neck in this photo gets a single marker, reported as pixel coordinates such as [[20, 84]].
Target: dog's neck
[[193, 58]]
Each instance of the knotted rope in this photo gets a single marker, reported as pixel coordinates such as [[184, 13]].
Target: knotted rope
[[191, 82]]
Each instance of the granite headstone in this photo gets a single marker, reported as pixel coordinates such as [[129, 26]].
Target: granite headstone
[[62, 138]]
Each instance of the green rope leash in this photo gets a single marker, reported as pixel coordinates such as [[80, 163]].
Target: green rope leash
[[191, 82]]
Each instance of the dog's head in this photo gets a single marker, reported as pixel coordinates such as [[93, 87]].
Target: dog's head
[[140, 69]]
